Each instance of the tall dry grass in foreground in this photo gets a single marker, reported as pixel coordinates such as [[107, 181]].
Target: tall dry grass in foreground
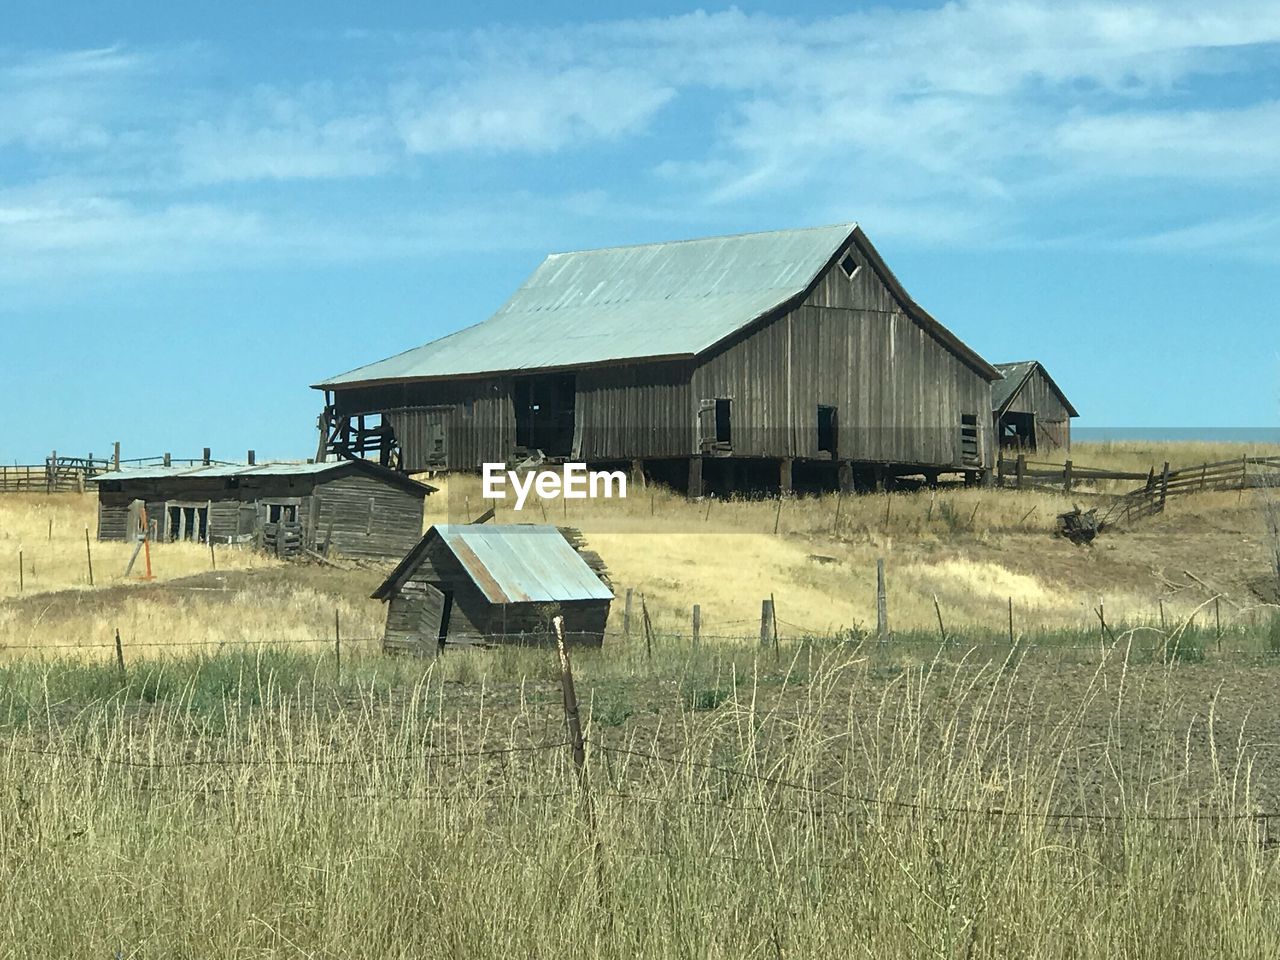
[[828, 807]]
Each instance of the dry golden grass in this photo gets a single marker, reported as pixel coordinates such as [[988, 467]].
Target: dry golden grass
[[49, 532], [972, 549]]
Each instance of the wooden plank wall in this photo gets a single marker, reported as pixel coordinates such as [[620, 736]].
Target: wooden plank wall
[[638, 410], [480, 425], [370, 519], [899, 392], [1053, 420]]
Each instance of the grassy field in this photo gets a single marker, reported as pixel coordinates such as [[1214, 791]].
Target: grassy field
[[834, 800], [1084, 791]]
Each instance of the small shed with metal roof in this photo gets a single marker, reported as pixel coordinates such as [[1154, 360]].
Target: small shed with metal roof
[[481, 584], [716, 364], [352, 508], [1030, 412]]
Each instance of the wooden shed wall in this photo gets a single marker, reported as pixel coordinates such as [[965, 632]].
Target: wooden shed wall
[[898, 391], [1053, 419], [223, 503], [473, 617], [370, 519]]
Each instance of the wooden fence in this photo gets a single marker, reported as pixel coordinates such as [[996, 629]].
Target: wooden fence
[[1238, 473], [71, 474]]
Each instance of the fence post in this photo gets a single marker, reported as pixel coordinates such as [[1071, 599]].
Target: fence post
[[88, 552], [1011, 639], [766, 622], [168, 459], [21, 574], [1164, 485], [648, 628], [697, 624], [1066, 476], [337, 645], [942, 630], [578, 748], [882, 603], [626, 615], [1021, 469], [119, 653], [115, 455], [205, 456]]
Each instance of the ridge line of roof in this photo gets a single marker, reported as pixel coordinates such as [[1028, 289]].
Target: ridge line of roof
[[847, 226]]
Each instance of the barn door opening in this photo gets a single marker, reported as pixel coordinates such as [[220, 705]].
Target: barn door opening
[[1018, 431], [545, 413], [970, 454], [827, 431]]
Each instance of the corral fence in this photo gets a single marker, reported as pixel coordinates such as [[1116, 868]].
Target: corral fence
[[60, 474], [1238, 473]]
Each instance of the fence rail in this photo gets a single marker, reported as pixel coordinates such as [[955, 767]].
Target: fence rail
[[59, 474]]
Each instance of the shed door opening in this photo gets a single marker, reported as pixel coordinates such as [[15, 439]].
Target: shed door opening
[[434, 613], [545, 414], [1018, 431], [282, 513], [827, 431], [188, 523]]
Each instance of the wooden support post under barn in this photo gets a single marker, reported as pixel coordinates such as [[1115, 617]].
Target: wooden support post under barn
[[695, 477], [469, 585], [784, 475], [368, 512]]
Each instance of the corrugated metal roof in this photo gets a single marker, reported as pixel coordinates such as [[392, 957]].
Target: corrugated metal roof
[[519, 563], [1015, 374], [622, 303], [221, 470]]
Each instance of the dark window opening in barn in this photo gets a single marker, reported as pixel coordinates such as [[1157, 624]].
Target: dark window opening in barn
[[969, 439], [849, 265], [1018, 431], [282, 513], [827, 430], [545, 414], [188, 523], [724, 422]]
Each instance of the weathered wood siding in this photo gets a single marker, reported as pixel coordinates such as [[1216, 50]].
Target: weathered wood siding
[[1053, 419], [478, 416], [637, 410], [472, 618], [370, 520], [898, 391]]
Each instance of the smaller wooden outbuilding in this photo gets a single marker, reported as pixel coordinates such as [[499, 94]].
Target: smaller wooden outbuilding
[[350, 507], [1030, 411], [476, 584]]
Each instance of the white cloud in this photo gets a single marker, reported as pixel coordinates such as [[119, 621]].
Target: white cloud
[[274, 136], [523, 110]]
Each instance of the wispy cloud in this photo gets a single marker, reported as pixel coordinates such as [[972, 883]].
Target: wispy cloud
[[979, 121], [526, 110]]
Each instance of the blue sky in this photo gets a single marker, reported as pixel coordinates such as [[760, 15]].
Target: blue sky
[[205, 208]]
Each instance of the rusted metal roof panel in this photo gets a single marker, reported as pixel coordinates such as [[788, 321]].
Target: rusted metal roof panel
[[623, 303], [519, 563]]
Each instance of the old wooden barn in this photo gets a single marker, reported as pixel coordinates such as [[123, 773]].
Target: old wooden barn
[[481, 584], [351, 507], [1030, 412], [729, 363]]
